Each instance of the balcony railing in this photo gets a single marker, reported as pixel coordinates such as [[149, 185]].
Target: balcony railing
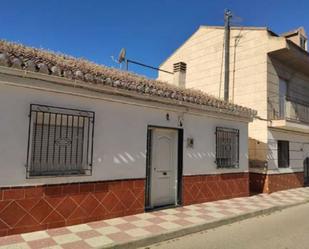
[[293, 111]]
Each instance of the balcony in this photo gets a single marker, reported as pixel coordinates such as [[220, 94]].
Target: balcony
[[291, 116]]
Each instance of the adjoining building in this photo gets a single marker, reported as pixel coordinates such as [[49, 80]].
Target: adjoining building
[[267, 72], [82, 142]]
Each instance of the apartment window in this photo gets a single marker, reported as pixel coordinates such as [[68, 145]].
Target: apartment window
[[283, 154], [303, 42], [227, 147], [60, 141], [283, 88]]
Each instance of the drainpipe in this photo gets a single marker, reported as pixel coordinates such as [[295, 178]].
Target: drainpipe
[[227, 17]]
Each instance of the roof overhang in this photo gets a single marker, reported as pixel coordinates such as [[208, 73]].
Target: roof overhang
[[289, 125], [292, 56]]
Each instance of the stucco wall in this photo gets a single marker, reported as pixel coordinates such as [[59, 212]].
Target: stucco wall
[[203, 53], [299, 149], [119, 136]]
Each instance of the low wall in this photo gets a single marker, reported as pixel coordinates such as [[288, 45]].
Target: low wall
[[203, 188], [268, 183], [25, 209]]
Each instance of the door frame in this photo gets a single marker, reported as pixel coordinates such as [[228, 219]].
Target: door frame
[[148, 166]]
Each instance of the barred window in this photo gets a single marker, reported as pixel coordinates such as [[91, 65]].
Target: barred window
[[60, 141], [227, 147]]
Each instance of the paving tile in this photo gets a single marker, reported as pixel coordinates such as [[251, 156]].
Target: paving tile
[[88, 234], [23, 245], [67, 238], [143, 223], [14, 239], [108, 230], [137, 232], [99, 241], [120, 237], [76, 245], [169, 225], [79, 228], [42, 243], [35, 235], [116, 221]]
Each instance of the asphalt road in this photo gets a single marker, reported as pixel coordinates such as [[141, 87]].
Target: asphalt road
[[287, 229]]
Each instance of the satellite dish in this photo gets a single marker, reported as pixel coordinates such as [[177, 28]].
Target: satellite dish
[[122, 55]]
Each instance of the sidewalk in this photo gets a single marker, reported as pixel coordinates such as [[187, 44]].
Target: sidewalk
[[142, 229]]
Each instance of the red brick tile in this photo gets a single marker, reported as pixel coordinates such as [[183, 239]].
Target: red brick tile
[[4, 232], [3, 226], [56, 224], [34, 192], [53, 190], [139, 184], [1, 194], [14, 194], [66, 207], [89, 204], [12, 213], [27, 221], [29, 229], [41, 210], [53, 217], [70, 189], [78, 213], [28, 204], [101, 187], [86, 187]]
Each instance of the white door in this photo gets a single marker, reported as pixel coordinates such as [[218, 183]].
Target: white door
[[163, 170]]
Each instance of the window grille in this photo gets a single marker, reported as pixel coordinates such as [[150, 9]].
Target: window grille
[[60, 141], [283, 154], [227, 147]]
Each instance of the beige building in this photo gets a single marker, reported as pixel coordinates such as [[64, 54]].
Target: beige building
[[268, 72]]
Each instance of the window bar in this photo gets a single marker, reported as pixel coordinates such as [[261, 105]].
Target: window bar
[[42, 135], [55, 130], [66, 136], [29, 134], [34, 139], [48, 134], [77, 141], [92, 136], [60, 138], [88, 122], [82, 145], [72, 139]]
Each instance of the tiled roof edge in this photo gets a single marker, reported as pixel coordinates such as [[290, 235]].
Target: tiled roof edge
[[37, 60]]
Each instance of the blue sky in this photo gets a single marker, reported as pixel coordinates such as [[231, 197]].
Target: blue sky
[[149, 30]]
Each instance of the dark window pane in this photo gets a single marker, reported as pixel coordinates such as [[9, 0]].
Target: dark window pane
[[283, 154]]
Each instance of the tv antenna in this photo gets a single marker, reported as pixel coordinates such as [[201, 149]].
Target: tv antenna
[[122, 58]]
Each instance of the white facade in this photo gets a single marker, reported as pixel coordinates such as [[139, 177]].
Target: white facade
[[120, 132]]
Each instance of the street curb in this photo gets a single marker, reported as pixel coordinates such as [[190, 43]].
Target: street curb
[[142, 242]]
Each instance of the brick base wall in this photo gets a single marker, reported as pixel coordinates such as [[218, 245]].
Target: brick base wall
[[26, 209], [268, 183], [203, 188]]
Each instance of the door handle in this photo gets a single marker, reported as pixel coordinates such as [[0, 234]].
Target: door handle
[[164, 173]]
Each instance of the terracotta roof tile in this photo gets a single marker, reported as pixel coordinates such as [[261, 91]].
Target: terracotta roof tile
[[47, 62]]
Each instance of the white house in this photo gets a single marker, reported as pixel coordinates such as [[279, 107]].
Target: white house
[[82, 142]]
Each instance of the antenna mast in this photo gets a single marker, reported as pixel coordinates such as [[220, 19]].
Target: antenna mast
[[227, 17]]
